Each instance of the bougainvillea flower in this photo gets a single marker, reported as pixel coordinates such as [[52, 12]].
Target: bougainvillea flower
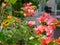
[[51, 35], [26, 14], [55, 20], [39, 29], [32, 12], [30, 3], [48, 30], [48, 22], [46, 41], [52, 26], [47, 17], [28, 10], [3, 4], [25, 4], [27, 7], [31, 23], [41, 19], [44, 17]]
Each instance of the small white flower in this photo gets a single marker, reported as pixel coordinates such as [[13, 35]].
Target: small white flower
[[31, 38]]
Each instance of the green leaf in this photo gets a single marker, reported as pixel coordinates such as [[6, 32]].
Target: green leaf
[[13, 1], [24, 22], [6, 0], [57, 43], [15, 40], [2, 36], [35, 41]]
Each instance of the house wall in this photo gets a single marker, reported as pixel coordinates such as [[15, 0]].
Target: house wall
[[51, 3]]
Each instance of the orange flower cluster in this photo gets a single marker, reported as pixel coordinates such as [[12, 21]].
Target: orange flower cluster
[[58, 40], [46, 41], [9, 18]]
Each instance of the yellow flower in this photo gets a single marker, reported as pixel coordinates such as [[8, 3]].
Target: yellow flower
[[9, 17], [57, 23], [3, 24], [33, 7]]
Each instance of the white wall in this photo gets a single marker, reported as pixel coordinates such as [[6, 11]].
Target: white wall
[[51, 3]]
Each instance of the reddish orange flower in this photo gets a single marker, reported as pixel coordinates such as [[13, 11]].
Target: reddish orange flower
[[3, 24], [44, 14], [39, 29], [58, 40], [9, 17], [53, 27], [46, 41], [25, 4], [42, 19], [38, 32]]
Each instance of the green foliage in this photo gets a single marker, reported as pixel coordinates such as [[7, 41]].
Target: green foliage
[[13, 32], [13, 1]]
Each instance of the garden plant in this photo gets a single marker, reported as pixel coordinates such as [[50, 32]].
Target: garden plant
[[16, 30]]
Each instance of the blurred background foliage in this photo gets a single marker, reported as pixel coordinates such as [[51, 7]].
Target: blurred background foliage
[[16, 6]]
